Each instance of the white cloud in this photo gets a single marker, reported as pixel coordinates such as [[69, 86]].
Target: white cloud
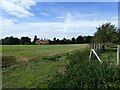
[[69, 28], [6, 22], [77, 16], [27, 3], [115, 18], [44, 14], [18, 8], [83, 16], [60, 17]]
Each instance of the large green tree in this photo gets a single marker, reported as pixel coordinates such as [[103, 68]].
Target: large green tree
[[106, 34], [54, 40], [73, 40], [80, 40], [10, 41], [25, 40]]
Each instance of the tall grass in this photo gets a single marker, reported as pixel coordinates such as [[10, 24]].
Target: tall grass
[[82, 73]]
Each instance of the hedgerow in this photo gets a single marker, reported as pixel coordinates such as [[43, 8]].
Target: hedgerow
[[82, 73]]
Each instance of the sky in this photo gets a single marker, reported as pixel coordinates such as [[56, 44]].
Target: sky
[[54, 19]]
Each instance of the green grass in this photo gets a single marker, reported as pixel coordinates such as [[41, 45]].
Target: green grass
[[32, 74], [110, 55], [29, 52], [47, 60]]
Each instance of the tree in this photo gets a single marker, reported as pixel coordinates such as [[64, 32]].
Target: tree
[[65, 41], [10, 41], [35, 38], [57, 41], [54, 40], [25, 40], [1, 41], [80, 40], [73, 41], [87, 39], [105, 34]]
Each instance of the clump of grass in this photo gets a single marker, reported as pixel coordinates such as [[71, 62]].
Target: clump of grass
[[52, 57], [8, 60]]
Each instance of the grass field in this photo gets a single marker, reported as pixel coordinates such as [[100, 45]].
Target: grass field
[[45, 60], [29, 52], [60, 66]]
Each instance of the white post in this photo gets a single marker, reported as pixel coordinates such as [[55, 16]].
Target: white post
[[96, 55], [90, 54], [118, 55]]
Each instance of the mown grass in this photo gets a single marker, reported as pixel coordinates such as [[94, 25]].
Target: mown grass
[[32, 74], [48, 59], [31, 52]]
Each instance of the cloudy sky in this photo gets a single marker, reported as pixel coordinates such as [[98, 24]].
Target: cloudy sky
[[54, 19]]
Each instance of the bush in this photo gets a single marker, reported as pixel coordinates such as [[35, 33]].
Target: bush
[[84, 74]]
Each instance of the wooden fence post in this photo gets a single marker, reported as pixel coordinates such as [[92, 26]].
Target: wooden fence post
[[90, 54], [96, 55], [118, 55]]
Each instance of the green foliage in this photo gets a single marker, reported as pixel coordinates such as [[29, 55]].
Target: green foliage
[[80, 39], [106, 33], [82, 73], [118, 36], [10, 41], [25, 41], [73, 40]]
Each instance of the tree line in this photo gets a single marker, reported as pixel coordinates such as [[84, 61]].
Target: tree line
[[15, 41], [79, 40], [27, 40]]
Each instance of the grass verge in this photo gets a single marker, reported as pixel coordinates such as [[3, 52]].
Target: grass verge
[[33, 74]]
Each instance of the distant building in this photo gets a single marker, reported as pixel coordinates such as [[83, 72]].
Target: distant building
[[41, 42]]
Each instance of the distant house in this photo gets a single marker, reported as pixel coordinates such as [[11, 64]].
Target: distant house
[[41, 42]]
